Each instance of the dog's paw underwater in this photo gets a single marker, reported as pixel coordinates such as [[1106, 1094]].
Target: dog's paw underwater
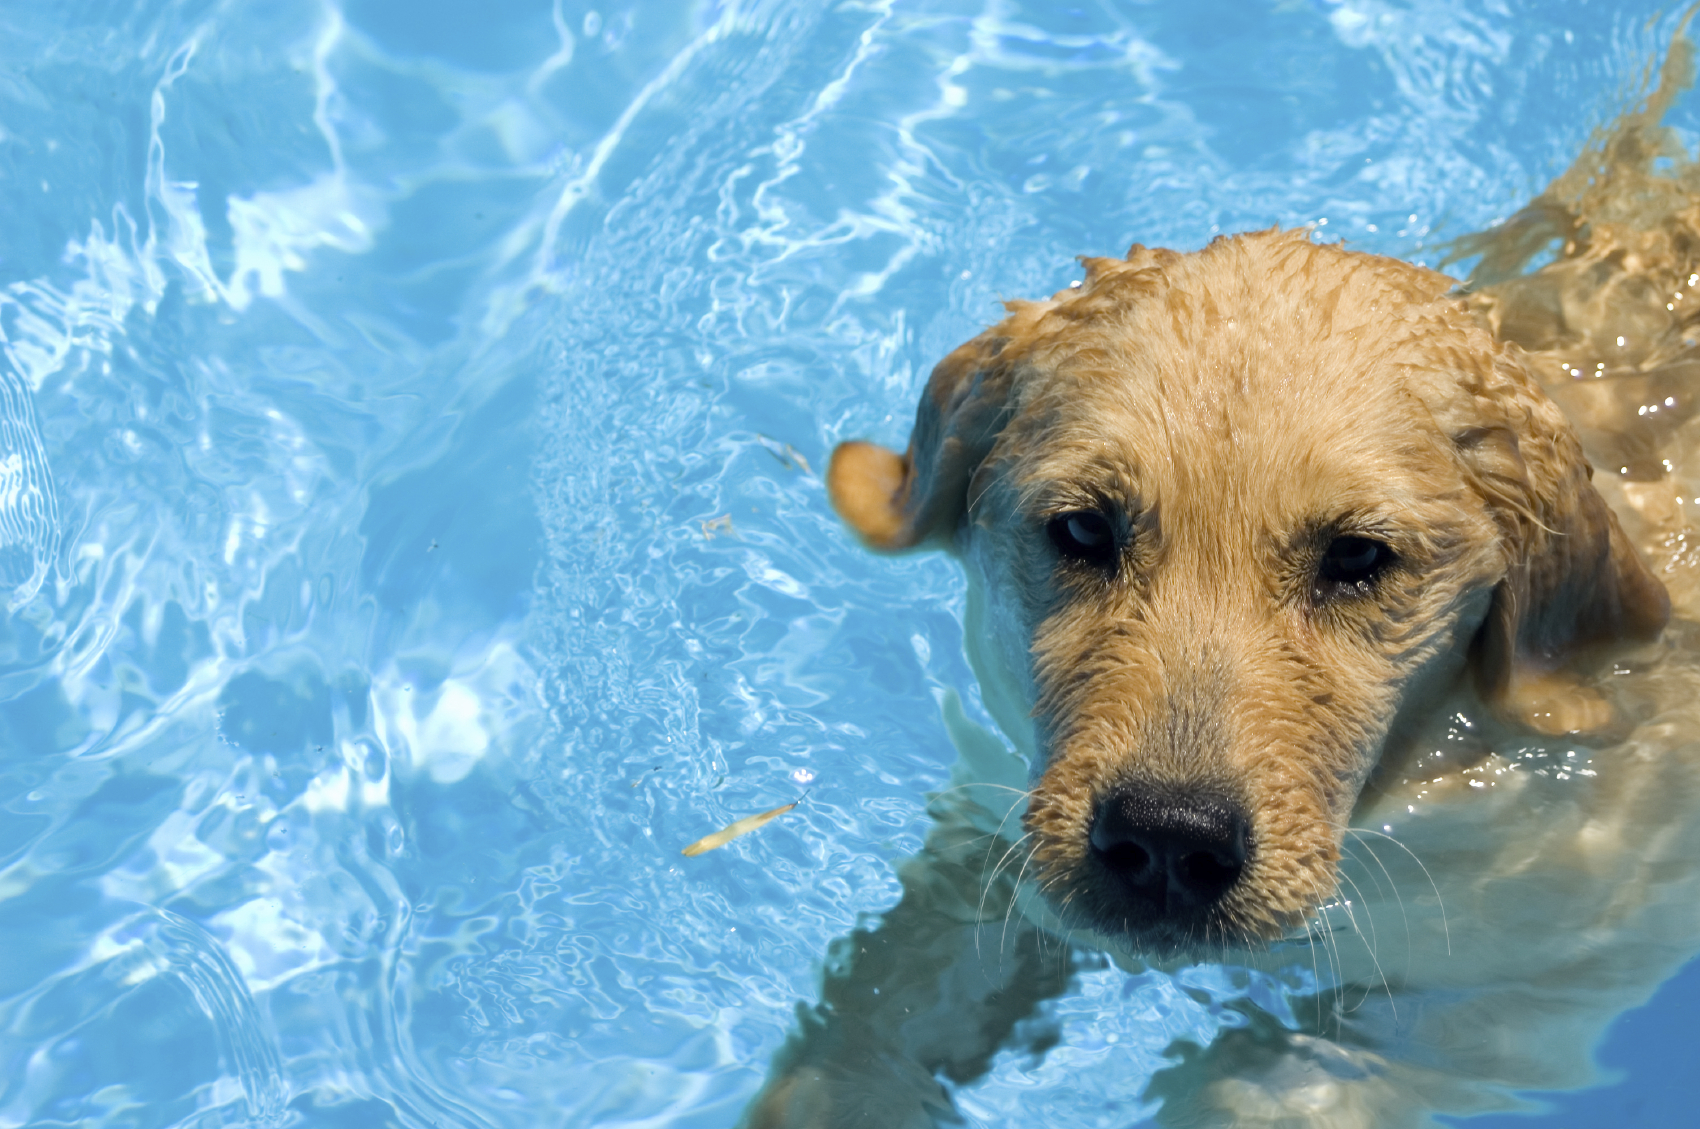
[[1250, 533]]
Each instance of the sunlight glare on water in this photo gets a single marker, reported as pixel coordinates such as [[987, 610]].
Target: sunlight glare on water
[[411, 523]]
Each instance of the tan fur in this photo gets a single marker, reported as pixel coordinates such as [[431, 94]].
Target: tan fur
[[1499, 897], [1235, 408]]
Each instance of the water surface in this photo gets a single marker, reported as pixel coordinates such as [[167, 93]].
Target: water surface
[[410, 515]]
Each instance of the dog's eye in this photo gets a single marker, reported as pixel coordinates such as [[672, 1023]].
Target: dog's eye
[[1353, 562], [1084, 535]]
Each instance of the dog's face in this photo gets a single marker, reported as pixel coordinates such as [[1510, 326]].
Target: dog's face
[[1229, 515]]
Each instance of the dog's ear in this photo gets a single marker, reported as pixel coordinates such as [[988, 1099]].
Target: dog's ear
[[1572, 578], [897, 501]]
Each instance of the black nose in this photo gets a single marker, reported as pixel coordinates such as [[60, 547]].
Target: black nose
[[1171, 851]]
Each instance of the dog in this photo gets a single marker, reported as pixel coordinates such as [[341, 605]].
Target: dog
[[1242, 529]]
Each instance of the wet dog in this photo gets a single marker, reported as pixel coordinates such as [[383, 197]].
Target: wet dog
[[1242, 528]]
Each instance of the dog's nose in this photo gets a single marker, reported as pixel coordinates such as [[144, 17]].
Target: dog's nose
[[1173, 852]]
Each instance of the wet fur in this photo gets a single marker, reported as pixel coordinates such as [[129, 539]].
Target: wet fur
[[1233, 409]]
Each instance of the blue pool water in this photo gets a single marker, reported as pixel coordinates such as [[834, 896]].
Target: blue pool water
[[411, 525]]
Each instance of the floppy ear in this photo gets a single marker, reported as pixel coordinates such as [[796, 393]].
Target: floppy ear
[[1573, 580], [898, 501]]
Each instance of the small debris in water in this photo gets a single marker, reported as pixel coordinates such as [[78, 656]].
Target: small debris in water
[[789, 457], [741, 827], [721, 524]]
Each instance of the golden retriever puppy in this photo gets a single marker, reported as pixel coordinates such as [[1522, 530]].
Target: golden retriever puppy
[[1231, 513], [1241, 528]]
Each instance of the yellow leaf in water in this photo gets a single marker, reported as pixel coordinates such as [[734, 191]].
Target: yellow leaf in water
[[789, 457], [732, 830]]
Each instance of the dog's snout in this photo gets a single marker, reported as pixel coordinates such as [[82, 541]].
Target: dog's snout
[[1170, 852]]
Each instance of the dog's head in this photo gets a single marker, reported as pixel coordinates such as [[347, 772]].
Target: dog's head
[[1229, 513]]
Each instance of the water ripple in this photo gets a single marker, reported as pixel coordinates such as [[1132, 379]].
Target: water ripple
[[411, 426], [29, 510]]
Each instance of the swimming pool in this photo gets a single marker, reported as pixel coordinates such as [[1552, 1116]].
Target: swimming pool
[[411, 520]]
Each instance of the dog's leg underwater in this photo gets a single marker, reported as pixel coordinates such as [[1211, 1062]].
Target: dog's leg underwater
[[931, 992]]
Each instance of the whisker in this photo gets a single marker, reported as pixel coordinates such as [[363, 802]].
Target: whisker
[[1011, 910], [1445, 927], [1316, 973], [998, 834], [986, 885], [986, 889], [1323, 937], [1337, 975], [963, 787], [1363, 901], [1370, 944], [1024, 793], [1393, 888]]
